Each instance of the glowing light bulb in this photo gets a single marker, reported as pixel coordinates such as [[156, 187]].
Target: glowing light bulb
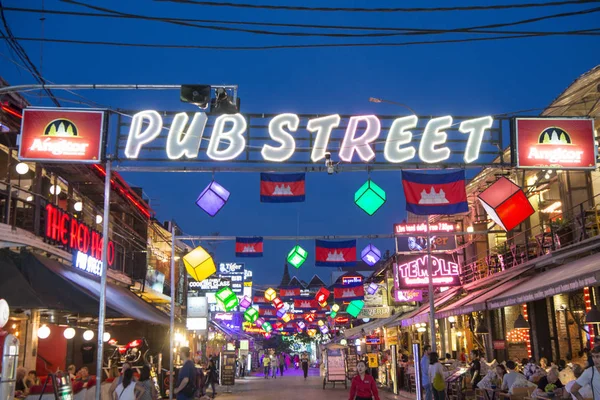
[[22, 168], [78, 206]]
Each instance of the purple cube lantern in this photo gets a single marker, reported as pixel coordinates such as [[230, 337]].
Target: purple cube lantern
[[301, 325], [281, 312], [213, 198], [370, 255], [259, 322], [372, 288], [245, 302], [324, 329]]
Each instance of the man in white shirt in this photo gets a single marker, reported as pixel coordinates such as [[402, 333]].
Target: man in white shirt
[[590, 376], [586, 390], [511, 376]]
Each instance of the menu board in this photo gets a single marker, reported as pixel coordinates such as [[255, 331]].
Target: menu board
[[227, 368], [351, 362], [336, 367]]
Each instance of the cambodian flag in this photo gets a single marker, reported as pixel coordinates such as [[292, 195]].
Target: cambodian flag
[[335, 254], [306, 304], [282, 188], [349, 292], [435, 194], [249, 247]]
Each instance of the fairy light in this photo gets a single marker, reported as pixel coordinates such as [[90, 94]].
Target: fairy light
[[526, 332], [588, 307]]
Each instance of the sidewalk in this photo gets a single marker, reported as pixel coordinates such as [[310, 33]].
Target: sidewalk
[[402, 395]]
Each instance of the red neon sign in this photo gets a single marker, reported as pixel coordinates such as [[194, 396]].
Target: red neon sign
[[422, 228], [65, 230], [412, 272]]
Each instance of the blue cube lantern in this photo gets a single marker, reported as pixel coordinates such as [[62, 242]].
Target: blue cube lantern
[[372, 288], [370, 255], [281, 312], [213, 198], [259, 322]]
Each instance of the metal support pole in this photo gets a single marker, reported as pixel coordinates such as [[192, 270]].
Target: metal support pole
[[418, 372], [430, 279], [172, 326], [102, 306], [394, 351]]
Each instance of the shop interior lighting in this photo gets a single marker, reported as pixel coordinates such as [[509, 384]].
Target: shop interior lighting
[[370, 197], [105, 337], [343, 342], [521, 323], [78, 206], [459, 334], [451, 320], [370, 255], [55, 190], [297, 256], [22, 168], [366, 319], [213, 198], [43, 332], [98, 219], [470, 229], [69, 333], [199, 264], [29, 198], [554, 207], [88, 335]]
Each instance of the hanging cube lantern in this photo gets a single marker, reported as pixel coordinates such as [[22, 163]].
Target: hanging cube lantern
[[286, 318], [323, 304], [270, 294], [332, 314], [199, 264], [372, 288], [251, 315], [309, 317], [506, 204], [301, 325], [370, 255], [324, 329], [267, 335], [369, 197], [311, 332], [245, 302], [320, 322], [260, 322], [335, 308], [297, 256], [278, 303], [213, 198], [355, 307], [278, 326], [322, 295], [298, 329], [280, 313], [227, 298], [267, 327]]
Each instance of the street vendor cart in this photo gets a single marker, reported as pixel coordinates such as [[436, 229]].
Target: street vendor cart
[[334, 362]]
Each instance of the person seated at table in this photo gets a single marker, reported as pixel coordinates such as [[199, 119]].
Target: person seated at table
[[83, 376], [550, 378], [511, 376], [500, 372], [32, 379], [585, 391], [72, 370]]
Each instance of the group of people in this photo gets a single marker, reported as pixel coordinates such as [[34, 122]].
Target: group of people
[[278, 363], [561, 380]]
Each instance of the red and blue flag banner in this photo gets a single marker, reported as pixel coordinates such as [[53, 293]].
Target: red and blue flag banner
[[249, 246], [289, 292], [282, 188], [306, 304], [335, 254], [260, 300], [267, 312], [348, 293], [435, 194]]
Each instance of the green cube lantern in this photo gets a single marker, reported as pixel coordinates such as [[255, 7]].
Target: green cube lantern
[[297, 256], [227, 298], [369, 197], [355, 307], [267, 327], [251, 315]]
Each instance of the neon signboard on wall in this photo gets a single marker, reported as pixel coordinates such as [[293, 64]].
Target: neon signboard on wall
[[422, 228], [229, 137], [411, 272]]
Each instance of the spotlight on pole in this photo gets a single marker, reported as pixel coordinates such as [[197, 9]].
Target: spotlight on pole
[[196, 94], [222, 103]]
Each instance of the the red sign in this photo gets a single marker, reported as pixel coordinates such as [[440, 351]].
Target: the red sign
[[499, 344], [62, 135], [372, 339], [555, 143], [342, 320], [67, 231], [411, 271]]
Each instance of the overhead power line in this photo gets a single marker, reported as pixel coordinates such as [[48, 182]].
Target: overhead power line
[[398, 31], [288, 46], [385, 9]]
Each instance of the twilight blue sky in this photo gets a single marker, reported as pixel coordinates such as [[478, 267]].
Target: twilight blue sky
[[477, 78]]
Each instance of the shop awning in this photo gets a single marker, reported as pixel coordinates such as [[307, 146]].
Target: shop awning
[[354, 333], [119, 300], [566, 278], [423, 314], [14, 288], [476, 300], [230, 332]]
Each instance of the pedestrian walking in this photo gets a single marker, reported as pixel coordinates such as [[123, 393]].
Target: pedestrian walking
[[212, 377], [363, 385], [127, 389], [266, 365], [186, 379], [304, 360], [274, 366], [425, 372], [281, 363]]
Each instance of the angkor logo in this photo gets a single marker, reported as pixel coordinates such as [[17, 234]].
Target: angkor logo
[[554, 135], [61, 127]]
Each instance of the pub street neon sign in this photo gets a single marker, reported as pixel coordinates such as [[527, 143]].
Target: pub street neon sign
[[85, 243], [228, 139], [413, 273]]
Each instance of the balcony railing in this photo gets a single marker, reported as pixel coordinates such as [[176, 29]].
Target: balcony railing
[[567, 228]]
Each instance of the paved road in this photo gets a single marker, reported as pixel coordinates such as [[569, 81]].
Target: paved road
[[292, 386]]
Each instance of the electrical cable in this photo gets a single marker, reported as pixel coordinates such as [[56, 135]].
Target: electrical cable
[[390, 9], [281, 47]]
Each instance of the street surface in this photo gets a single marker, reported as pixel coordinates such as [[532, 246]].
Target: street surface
[[291, 386]]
